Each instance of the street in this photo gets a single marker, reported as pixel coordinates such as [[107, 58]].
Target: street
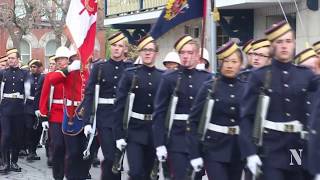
[[38, 170]]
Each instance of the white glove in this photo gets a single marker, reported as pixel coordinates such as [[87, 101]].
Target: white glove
[[45, 125], [197, 164], [121, 144], [162, 153], [75, 65], [37, 113], [317, 177], [87, 130], [253, 162]]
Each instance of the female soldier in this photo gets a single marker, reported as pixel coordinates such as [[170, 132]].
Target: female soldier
[[219, 148]]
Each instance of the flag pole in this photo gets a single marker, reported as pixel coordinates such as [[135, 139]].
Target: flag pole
[[211, 35], [204, 26]]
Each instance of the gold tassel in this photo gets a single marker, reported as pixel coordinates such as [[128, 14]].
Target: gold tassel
[[216, 14]]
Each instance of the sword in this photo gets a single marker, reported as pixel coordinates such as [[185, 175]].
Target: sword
[[86, 152]]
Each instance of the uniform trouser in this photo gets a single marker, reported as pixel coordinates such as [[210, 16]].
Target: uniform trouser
[[57, 150], [141, 159], [224, 171], [272, 173], [12, 136], [178, 165], [76, 167], [108, 146], [32, 135]]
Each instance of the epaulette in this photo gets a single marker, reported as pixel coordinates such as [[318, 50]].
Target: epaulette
[[202, 71], [262, 68], [133, 68], [160, 70], [171, 72]]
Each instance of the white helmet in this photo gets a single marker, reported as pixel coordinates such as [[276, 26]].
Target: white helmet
[[172, 57], [62, 51], [205, 54]]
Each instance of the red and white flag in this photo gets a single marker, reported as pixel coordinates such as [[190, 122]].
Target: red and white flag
[[81, 26]]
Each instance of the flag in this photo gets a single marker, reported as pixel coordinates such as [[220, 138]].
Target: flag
[[176, 12], [81, 27]]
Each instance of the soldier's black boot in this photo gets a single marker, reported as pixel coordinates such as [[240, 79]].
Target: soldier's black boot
[[95, 160], [32, 156], [15, 167], [5, 168]]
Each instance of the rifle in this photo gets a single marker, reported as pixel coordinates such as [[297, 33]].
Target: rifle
[[44, 137], [168, 124], [204, 122], [260, 116], [1, 90], [93, 117], [44, 134], [119, 155]]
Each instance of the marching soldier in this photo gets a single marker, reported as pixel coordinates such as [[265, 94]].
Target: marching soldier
[[314, 133], [204, 62], [51, 113], [247, 49], [52, 64], [309, 59], [259, 56], [110, 72], [14, 89], [52, 67], [182, 84], [219, 140], [171, 61], [72, 124], [3, 65], [286, 86], [33, 129], [143, 81]]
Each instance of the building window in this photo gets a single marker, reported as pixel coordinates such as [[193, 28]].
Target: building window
[[270, 20], [50, 50], [25, 51], [19, 10], [53, 10], [222, 37], [187, 30], [196, 32]]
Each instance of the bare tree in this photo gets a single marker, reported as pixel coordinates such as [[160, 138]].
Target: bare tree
[[19, 18], [55, 13]]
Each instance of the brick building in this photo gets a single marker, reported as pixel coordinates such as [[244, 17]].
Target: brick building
[[40, 43]]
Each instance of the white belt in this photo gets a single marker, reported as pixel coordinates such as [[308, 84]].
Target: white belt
[[106, 100], [30, 98], [181, 117], [145, 117], [73, 103], [13, 95], [232, 130], [290, 127], [57, 101]]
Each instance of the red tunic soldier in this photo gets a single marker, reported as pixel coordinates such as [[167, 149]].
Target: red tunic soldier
[[72, 79], [51, 108]]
